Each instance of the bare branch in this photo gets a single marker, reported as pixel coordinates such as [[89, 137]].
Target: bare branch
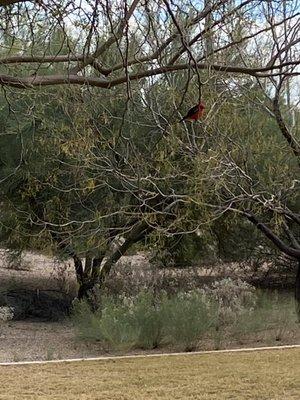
[[282, 126], [41, 59], [9, 2], [35, 81], [291, 237], [290, 251], [110, 41]]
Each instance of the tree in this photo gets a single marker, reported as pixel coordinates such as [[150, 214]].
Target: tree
[[162, 27], [146, 61]]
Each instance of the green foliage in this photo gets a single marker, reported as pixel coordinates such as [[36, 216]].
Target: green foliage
[[186, 319], [122, 323], [148, 320], [86, 163], [273, 311], [144, 321], [117, 324], [88, 323]]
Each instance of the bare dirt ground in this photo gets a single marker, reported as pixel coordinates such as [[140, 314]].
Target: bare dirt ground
[[36, 340], [36, 271]]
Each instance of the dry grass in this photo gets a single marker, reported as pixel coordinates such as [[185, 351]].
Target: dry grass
[[256, 375]]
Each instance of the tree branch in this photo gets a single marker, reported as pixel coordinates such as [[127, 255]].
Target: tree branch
[[291, 237], [21, 59], [206, 30], [282, 126], [201, 15], [9, 2], [137, 233], [290, 251], [111, 40], [36, 81]]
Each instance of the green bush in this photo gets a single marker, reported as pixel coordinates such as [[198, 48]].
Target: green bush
[[186, 318], [87, 323], [145, 322], [232, 297], [273, 312], [147, 317], [132, 322], [182, 320], [122, 323], [117, 324]]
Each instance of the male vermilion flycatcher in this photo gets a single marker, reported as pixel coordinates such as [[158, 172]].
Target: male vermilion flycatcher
[[194, 113]]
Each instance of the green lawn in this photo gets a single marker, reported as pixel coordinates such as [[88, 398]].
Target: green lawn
[[254, 375]]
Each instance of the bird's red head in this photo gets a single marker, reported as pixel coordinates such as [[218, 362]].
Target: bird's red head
[[201, 105]]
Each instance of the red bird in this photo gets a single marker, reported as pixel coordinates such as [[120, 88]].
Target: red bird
[[194, 113]]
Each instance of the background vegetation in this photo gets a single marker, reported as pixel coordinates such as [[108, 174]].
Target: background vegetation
[[94, 163]]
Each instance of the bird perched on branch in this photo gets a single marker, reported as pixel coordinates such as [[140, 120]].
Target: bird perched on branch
[[194, 113]]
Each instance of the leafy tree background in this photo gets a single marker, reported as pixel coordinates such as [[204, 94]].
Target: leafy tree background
[[89, 172]]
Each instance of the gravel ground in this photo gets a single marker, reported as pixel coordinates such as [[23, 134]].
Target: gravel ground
[[35, 340]]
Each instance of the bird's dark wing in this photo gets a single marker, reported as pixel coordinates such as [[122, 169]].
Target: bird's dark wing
[[193, 110]]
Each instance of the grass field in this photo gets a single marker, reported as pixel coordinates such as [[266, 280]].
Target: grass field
[[263, 375]]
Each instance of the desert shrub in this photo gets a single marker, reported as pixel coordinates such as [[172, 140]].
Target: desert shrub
[[233, 298], [130, 277], [131, 280], [87, 323], [148, 319], [6, 313], [145, 321], [117, 323], [186, 318], [13, 259], [122, 323], [273, 312]]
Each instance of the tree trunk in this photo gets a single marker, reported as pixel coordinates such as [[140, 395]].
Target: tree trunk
[[208, 38], [297, 292], [85, 289], [293, 252], [90, 277], [98, 273]]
